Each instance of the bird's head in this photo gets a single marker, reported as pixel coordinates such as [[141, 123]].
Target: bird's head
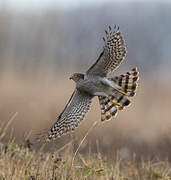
[[77, 77]]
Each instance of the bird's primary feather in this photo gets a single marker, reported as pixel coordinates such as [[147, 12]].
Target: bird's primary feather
[[72, 115], [113, 54]]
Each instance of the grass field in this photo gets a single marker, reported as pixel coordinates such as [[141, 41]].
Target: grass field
[[19, 162]]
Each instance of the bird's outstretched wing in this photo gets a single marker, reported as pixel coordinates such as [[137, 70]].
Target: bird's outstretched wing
[[113, 54], [72, 115]]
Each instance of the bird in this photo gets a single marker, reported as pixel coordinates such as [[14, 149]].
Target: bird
[[113, 92]]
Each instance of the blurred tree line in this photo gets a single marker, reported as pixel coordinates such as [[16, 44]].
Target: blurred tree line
[[57, 39]]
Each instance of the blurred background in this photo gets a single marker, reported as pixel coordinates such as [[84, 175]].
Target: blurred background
[[42, 42]]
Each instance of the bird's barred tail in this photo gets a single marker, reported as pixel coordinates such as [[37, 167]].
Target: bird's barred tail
[[117, 101], [111, 104], [108, 109], [128, 81]]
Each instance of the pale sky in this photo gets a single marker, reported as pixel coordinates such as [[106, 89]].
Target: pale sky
[[39, 4]]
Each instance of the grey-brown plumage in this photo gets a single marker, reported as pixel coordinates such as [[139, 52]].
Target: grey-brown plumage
[[112, 92], [72, 115]]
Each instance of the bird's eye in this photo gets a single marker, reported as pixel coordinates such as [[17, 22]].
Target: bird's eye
[[75, 76]]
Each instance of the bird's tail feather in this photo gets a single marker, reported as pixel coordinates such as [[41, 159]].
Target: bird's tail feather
[[117, 101], [128, 81], [108, 109], [111, 104]]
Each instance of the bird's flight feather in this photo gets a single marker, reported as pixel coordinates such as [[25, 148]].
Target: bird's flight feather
[[113, 54]]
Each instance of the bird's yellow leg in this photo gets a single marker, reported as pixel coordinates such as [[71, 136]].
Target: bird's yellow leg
[[120, 91], [116, 103]]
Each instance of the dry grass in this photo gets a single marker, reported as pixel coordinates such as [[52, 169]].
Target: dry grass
[[23, 162], [18, 162]]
